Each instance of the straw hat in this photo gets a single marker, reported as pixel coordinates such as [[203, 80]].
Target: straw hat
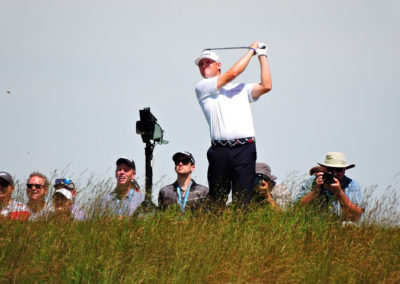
[[336, 160]]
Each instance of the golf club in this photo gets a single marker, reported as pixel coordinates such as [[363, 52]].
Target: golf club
[[235, 47]]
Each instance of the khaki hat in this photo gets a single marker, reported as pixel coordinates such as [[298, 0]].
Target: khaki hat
[[336, 160]]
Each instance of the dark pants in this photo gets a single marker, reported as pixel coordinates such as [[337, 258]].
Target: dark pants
[[231, 168]]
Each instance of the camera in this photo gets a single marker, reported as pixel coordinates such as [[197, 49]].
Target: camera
[[148, 127], [258, 178], [328, 177]]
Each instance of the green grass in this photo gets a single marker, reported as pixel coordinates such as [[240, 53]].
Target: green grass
[[232, 246], [258, 245]]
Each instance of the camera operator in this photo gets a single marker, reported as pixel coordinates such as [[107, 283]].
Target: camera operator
[[268, 190], [332, 188]]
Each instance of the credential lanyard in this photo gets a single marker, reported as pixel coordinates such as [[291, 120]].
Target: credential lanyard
[[119, 208], [181, 203]]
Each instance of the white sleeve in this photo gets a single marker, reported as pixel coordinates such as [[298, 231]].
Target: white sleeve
[[206, 88], [249, 89]]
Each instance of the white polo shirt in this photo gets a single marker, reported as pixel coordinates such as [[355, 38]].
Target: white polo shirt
[[227, 110]]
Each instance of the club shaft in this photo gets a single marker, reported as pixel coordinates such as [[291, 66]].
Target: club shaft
[[234, 47], [220, 48]]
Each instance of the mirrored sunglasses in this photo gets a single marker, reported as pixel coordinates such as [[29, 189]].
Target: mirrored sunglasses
[[64, 181]]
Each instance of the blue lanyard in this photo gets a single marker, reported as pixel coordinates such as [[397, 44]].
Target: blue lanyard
[[178, 191], [119, 208]]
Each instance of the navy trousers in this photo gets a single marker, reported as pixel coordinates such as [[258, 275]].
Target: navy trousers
[[231, 168]]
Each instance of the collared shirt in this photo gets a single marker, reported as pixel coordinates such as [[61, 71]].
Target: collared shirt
[[168, 195], [351, 189], [112, 205], [227, 110]]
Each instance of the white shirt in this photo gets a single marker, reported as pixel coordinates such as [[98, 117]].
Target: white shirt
[[227, 110]]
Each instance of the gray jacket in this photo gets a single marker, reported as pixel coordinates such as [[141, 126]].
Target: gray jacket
[[168, 195]]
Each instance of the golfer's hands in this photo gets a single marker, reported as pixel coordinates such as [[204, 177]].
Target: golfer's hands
[[261, 49]]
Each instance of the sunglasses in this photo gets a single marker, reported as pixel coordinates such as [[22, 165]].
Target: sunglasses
[[31, 185], [4, 183], [183, 161], [65, 181]]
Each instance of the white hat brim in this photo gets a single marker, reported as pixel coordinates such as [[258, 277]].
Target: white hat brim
[[337, 166]]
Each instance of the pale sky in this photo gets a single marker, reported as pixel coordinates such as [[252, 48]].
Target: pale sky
[[74, 74]]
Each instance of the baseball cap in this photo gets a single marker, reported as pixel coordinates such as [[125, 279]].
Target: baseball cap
[[65, 192], [7, 177], [126, 161], [64, 181], [184, 153], [264, 169], [207, 54]]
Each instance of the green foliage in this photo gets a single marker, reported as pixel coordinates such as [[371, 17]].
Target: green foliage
[[254, 245]]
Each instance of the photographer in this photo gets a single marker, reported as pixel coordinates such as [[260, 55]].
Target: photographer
[[331, 188], [268, 190]]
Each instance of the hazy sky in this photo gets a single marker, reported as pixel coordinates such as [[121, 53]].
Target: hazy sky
[[74, 74]]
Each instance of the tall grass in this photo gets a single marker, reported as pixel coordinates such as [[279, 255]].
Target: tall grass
[[256, 245]]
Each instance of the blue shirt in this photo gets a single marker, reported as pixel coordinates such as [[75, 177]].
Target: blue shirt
[[351, 189], [113, 206]]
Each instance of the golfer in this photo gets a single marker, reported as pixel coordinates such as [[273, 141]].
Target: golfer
[[226, 106]]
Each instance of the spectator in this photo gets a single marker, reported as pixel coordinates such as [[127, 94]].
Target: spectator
[[36, 189], [226, 106], [64, 200], [275, 194], [126, 197], [10, 208], [184, 191], [333, 189]]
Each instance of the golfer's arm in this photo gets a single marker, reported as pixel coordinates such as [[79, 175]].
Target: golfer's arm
[[266, 82], [235, 70]]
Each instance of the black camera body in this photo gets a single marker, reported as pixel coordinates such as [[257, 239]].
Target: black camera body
[[328, 177], [258, 178]]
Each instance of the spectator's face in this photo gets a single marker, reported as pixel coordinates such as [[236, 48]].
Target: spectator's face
[[183, 165], [124, 174], [209, 68], [339, 172], [6, 190], [61, 203], [36, 189]]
